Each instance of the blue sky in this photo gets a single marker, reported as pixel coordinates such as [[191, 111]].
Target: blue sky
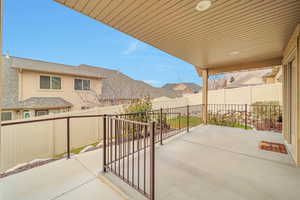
[[46, 30]]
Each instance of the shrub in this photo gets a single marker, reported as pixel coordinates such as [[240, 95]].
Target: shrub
[[141, 107], [266, 103]]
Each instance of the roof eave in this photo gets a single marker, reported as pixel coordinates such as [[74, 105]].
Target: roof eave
[[62, 73]]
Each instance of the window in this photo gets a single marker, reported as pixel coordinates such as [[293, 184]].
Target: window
[[26, 114], [50, 82], [78, 84], [85, 107], [6, 116], [45, 82], [81, 84], [56, 83], [41, 112]]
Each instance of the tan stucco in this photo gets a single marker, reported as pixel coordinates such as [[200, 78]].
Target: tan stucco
[[291, 94], [30, 87]]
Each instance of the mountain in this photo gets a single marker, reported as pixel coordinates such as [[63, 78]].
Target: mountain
[[182, 88], [117, 85]]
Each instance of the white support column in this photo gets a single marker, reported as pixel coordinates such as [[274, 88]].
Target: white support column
[[205, 95], [285, 103]]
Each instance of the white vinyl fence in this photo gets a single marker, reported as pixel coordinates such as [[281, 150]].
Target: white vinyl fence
[[25, 142]]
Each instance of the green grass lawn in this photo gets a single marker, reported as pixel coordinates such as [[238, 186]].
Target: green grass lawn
[[75, 151], [193, 121]]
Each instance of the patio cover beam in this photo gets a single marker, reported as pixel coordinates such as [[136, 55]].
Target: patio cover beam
[[246, 66]]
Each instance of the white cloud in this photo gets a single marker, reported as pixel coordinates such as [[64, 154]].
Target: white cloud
[[132, 47]]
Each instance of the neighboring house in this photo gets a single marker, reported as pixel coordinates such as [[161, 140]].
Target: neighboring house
[[220, 83], [275, 76], [35, 88], [183, 88], [246, 78]]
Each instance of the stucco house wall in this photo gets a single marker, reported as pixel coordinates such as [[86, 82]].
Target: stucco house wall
[[21, 84], [30, 87]]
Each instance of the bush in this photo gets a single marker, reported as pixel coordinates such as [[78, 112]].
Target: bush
[[266, 110], [266, 103], [140, 107]]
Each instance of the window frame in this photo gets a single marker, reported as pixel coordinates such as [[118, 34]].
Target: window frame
[[82, 88], [51, 82], [11, 115], [46, 111]]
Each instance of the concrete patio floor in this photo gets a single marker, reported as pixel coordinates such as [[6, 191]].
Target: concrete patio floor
[[74, 179], [210, 162], [213, 162]]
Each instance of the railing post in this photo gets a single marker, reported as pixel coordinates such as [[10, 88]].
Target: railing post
[[68, 139], [270, 117], [152, 161], [179, 121], [104, 143], [161, 126], [246, 115], [188, 118]]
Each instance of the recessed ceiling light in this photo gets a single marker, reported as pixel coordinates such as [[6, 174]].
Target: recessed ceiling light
[[233, 53], [203, 5]]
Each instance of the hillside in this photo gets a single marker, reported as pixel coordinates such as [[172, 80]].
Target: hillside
[[182, 88], [117, 85]]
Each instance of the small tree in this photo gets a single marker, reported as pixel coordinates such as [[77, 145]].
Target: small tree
[[140, 108]]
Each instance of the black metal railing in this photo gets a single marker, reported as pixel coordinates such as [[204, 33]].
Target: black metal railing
[[259, 117], [167, 121], [68, 130], [129, 139], [126, 144]]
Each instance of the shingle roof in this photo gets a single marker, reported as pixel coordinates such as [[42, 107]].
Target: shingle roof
[[40, 103], [37, 65]]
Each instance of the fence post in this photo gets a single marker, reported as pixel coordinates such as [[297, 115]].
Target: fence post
[[152, 161], [68, 138], [104, 143], [188, 118], [161, 127], [246, 115]]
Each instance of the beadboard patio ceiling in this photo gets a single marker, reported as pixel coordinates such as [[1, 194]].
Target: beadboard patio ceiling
[[229, 33]]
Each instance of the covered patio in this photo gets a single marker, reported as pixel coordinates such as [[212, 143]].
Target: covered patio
[[209, 162], [216, 36]]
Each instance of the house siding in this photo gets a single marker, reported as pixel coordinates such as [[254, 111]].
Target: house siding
[[10, 84]]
